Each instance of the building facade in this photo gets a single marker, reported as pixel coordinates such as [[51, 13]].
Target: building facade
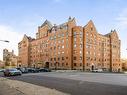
[[124, 64], [1, 64], [68, 46], [9, 58]]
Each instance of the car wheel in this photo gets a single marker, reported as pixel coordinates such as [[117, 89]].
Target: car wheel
[[5, 75], [9, 75]]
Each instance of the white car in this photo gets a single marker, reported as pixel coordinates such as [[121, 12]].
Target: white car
[[97, 70], [12, 72], [125, 72], [2, 70]]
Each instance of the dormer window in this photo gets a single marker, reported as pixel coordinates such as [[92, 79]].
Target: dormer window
[[91, 28]]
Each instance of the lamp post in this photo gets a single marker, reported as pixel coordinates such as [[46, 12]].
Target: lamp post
[[5, 41]]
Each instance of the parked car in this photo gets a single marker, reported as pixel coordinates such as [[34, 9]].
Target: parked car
[[2, 70], [32, 70], [12, 72], [23, 69], [44, 70], [98, 70]]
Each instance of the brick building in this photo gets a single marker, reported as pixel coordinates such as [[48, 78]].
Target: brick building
[[68, 46], [124, 64], [9, 58], [1, 64]]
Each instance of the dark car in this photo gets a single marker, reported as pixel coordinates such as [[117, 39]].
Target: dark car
[[23, 69], [32, 70], [12, 72], [44, 70]]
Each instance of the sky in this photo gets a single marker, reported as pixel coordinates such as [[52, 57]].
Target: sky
[[19, 17]]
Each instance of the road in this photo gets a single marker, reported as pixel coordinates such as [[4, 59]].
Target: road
[[74, 84]]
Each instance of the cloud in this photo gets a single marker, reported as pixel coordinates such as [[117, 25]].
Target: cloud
[[122, 20], [8, 33], [121, 24]]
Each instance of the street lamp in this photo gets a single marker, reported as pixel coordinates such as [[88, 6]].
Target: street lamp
[[5, 41]]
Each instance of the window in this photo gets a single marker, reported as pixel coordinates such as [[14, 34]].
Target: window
[[74, 45], [58, 35], [81, 40], [87, 40], [54, 47], [91, 28], [67, 34], [58, 58], [50, 38], [80, 52], [81, 33], [62, 58], [62, 52], [58, 52], [74, 33], [74, 51], [74, 39], [62, 46], [87, 46], [88, 52], [87, 33], [58, 47], [67, 45], [58, 64], [62, 35], [80, 57], [62, 41], [54, 37], [74, 57], [75, 64], [59, 41], [80, 45], [62, 64]]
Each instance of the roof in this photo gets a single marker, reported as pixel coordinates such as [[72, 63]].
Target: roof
[[47, 23]]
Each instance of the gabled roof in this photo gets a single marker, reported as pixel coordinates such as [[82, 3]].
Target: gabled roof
[[47, 23], [90, 23], [27, 37], [113, 33]]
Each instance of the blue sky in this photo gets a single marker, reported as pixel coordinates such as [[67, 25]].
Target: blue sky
[[18, 17]]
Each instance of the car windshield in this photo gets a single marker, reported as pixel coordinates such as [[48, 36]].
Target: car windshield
[[12, 69]]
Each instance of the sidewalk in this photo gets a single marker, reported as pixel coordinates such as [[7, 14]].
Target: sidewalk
[[14, 87], [5, 89]]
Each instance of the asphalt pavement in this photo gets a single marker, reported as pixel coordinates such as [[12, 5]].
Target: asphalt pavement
[[75, 86]]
